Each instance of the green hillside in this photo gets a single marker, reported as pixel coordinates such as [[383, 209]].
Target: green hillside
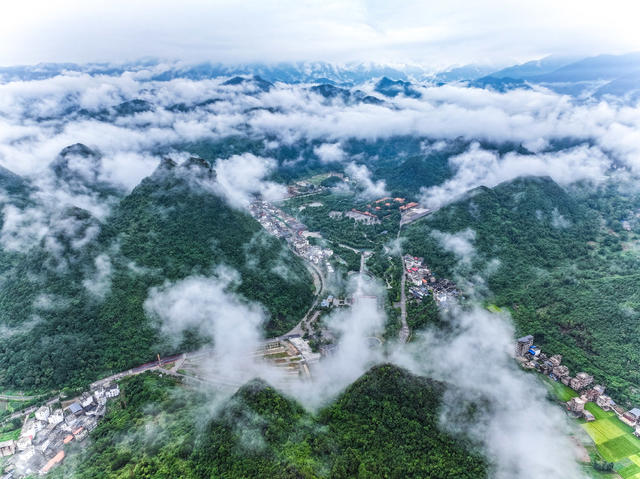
[[384, 425], [567, 270], [171, 226]]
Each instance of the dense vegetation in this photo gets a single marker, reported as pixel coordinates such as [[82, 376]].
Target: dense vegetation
[[567, 271], [73, 304], [384, 425]]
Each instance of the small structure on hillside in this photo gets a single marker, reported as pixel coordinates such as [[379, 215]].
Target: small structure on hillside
[[594, 393], [112, 391], [75, 408], [555, 360], [56, 417], [523, 345], [42, 414], [7, 448], [588, 416], [534, 351], [546, 367], [632, 416], [576, 405], [605, 402], [560, 371], [23, 442], [581, 381]]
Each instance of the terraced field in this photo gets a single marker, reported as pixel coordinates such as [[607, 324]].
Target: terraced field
[[615, 442]]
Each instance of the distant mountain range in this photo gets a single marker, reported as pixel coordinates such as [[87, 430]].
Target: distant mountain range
[[616, 75]]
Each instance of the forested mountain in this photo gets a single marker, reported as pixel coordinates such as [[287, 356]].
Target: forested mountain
[[383, 425], [72, 304], [566, 269]]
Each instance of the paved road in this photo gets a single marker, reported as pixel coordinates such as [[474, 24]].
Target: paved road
[[405, 332], [318, 282], [9, 397]]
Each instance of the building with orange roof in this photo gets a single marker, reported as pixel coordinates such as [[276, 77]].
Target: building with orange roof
[[54, 461]]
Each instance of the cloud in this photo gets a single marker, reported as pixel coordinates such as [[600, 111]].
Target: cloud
[[241, 177], [558, 221], [330, 152], [460, 243], [362, 175], [475, 361], [353, 353], [99, 284], [206, 305], [412, 32], [480, 167]]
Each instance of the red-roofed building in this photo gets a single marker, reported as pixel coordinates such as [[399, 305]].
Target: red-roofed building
[[54, 461]]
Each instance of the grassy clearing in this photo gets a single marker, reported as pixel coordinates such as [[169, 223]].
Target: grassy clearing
[[7, 436], [494, 308], [560, 391]]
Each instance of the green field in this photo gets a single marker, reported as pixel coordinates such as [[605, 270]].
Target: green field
[[604, 430], [615, 441], [619, 448], [630, 472], [598, 412]]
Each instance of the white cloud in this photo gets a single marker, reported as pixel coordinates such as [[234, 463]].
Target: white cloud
[[479, 167], [204, 304], [475, 361], [457, 32], [330, 152], [242, 176], [362, 175], [99, 283], [460, 243]]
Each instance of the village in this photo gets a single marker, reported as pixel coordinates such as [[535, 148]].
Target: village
[[532, 358], [282, 225], [382, 207], [424, 282], [45, 433]]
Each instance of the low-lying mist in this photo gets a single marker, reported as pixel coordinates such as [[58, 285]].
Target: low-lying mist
[[513, 423]]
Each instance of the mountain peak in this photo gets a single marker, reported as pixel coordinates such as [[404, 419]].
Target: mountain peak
[[79, 149]]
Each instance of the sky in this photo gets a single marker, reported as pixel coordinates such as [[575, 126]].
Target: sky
[[428, 33]]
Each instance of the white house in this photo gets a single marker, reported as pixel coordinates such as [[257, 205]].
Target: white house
[[42, 414], [56, 417], [113, 391]]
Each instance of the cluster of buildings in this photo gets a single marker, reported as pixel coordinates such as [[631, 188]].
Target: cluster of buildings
[[424, 283], [332, 302], [304, 187], [291, 353], [282, 225], [410, 211], [359, 216], [530, 357], [40, 446]]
